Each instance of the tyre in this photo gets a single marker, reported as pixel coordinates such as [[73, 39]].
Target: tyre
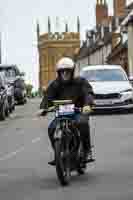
[[13, 107], [62, 168], [81, 171], [10, 110], [2, 112], [7, 112], [81, 166], [7, 109]]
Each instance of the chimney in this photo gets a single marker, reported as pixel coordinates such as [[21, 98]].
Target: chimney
[[101, 12], [110, 27], [116, 22], [119, 8], [94, 37], [102, 32]]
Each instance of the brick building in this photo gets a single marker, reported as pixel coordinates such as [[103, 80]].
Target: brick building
[[103, 43]]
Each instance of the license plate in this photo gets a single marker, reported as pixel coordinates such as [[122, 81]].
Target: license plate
[[64, 109], [105, 102]]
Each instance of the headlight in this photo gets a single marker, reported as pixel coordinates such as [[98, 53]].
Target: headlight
[[127, 94], [128, 90]]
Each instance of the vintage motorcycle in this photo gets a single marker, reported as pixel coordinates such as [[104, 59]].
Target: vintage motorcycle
[[68, 146]]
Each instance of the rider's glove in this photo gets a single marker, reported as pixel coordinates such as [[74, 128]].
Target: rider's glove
[[87, 109], [51, 108]]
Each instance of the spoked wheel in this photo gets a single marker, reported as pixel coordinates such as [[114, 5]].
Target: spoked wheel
[[62, 165]]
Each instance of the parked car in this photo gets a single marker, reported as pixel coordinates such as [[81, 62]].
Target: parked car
[[20, 91], [4, 106], [111, 86], [13, 76]]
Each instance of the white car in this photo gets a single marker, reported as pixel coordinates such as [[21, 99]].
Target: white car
[[111, 86]]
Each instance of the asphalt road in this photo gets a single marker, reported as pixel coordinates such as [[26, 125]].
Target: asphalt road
[[25, 151]]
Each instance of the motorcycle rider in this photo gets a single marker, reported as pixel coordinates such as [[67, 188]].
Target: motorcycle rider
[[66, 86]]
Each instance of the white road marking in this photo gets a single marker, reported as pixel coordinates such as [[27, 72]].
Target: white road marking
[[14, 153], [36, 140], [11, 154], [4, 175]]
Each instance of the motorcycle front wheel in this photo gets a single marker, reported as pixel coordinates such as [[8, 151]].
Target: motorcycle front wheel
[[62, 167]]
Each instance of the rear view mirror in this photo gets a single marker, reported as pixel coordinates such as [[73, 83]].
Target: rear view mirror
[[131, 80]]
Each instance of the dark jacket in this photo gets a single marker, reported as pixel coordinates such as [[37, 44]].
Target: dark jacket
[[78, 90]]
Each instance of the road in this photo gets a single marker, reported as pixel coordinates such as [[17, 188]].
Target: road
[[25, 151]]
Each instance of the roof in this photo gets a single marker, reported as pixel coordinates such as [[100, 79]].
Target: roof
[[119, 48], [94, 67], [6, 66], [126, 20], [130, 6], [105, 41], [83, 51]]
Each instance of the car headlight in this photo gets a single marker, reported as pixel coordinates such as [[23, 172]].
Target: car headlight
[[127, 94]]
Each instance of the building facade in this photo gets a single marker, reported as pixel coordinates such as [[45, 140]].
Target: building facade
[[53, 46], [103, 39], [119, 8]]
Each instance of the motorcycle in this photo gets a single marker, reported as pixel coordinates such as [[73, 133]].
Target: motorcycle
[[68, 146]]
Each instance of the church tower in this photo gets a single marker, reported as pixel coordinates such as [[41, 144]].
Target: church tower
[[101, 12], [119, 8], [52, 46]]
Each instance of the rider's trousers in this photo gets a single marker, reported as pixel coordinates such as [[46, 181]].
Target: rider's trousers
[[83, 126]]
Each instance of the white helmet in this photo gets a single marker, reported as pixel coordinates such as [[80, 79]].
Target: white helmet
[[64, 63]]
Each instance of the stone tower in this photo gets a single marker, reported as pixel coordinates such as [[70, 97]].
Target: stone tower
[[53, 46], [101, 12], [119, 8]]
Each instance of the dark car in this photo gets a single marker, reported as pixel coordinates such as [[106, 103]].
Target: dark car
[[4, 106], [20, 91], [13, 76]]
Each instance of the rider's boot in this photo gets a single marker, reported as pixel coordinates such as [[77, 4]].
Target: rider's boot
[[52, 162], [88, 157]]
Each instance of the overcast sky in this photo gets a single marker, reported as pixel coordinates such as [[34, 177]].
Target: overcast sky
[[18, 26]]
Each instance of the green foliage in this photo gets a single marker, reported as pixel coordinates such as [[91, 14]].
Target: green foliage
[[29, 88]]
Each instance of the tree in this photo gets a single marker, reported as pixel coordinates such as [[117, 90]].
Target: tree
[[29, 88]]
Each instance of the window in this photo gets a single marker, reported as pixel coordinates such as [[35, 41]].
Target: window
[[104, 75]]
